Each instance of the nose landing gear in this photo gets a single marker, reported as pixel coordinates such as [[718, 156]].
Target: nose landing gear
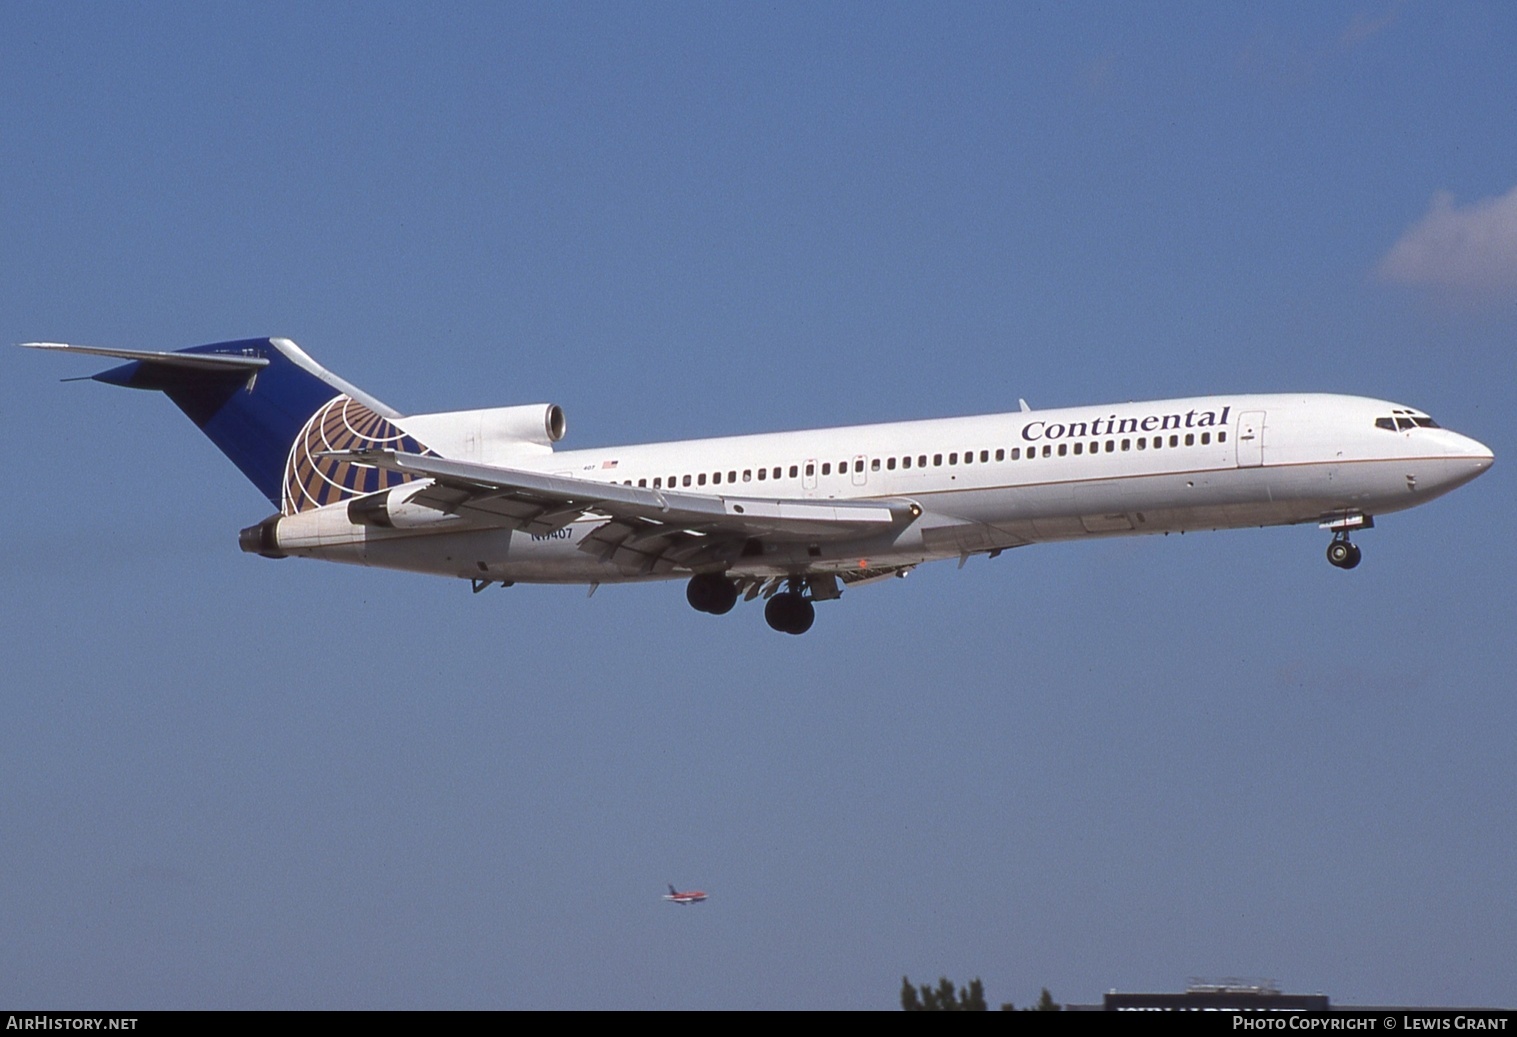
[[1341, 553]]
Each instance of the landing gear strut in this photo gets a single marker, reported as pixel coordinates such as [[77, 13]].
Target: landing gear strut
[[711, 592], [1341, 553], [789, 613]]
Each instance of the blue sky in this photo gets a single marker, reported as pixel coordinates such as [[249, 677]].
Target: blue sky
[[231, 782]]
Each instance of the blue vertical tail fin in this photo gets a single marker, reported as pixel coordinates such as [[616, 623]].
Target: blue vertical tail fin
[[273, 411]]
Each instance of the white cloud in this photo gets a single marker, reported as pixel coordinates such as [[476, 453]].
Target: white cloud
[[1467, 251], [1366, 25]]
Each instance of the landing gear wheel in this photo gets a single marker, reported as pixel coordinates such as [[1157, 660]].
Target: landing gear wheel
[[724, 599], [789, 613], [1343, 554], [711, 592]]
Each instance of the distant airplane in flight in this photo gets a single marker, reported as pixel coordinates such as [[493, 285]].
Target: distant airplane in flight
[[693, 896], [794, 517]]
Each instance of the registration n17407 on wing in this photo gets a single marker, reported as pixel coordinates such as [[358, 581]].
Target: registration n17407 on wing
[[792, 517]]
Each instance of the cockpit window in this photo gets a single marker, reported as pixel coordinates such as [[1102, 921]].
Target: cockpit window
[[1405, 420]]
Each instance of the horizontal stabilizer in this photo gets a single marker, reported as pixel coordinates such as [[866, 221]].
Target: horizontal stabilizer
[[217, 362], [262, 401]]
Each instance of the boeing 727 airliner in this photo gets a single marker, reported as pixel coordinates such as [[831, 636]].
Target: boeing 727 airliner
[[794, 517]]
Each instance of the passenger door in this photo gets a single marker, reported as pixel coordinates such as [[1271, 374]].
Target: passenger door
[[1250, 438]]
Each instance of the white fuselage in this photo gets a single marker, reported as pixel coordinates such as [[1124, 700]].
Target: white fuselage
[[982, 483]]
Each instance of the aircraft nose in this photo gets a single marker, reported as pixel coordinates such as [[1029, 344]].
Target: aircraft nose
[[1472, 450], [1466, 459]]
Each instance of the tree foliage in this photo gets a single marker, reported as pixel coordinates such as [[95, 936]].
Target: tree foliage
[[945, 998]]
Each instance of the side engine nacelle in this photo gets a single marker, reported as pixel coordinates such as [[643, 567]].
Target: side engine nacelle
[[489, 436], [392, 509]]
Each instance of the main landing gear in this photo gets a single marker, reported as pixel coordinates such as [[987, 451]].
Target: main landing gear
[[1341, 553], [789, 611], [711, 592]]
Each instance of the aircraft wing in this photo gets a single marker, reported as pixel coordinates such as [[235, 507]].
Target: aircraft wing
[[646, 530]]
